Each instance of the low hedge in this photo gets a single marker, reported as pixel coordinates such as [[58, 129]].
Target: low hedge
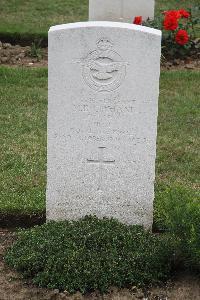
[[91, 254]]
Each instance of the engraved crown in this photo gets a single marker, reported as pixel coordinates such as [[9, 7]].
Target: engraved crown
[[104, 44]]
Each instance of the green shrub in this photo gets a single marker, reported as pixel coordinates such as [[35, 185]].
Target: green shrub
[[171, 47], [177, 210], [36, 50], [91, 254]]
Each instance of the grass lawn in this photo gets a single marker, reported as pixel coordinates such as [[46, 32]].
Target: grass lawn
[[178, 156], [23, 105], [23, 112], [34, 17]]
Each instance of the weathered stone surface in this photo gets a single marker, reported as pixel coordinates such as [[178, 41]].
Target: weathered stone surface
[[120, 10], [102, 121]]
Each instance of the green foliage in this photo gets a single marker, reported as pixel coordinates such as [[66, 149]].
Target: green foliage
[[36, 50], [177, 210], [170, 48], [91, 254]]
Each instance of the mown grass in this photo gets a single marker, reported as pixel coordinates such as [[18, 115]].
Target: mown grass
[[174, 4], [23, 110], [23, 103], [178, 156], [31, 19]]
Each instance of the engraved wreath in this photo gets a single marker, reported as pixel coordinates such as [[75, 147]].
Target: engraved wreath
[[103, 68]]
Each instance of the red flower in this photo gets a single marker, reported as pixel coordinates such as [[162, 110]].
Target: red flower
[[172, 13], [137, 20], [184, 13], [170, 22], [182, 37]]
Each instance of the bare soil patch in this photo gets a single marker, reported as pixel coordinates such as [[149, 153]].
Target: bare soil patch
[[14, 220], [16, 55], [189, 63], [13, 287]]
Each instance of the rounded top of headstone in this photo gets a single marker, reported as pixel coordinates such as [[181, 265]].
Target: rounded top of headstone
[[107, 24]]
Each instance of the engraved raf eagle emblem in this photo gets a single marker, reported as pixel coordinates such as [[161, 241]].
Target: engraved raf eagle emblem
[[104, 71], [103, 68]]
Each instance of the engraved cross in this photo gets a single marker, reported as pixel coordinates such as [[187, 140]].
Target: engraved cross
[[101, 161]]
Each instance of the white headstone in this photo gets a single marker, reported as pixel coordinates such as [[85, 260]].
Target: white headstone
[[102, 121], [120, 10]]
